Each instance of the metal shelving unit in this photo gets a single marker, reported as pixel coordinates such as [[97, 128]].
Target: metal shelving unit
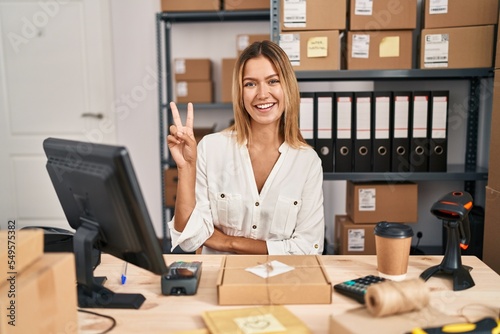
[[164, 22]]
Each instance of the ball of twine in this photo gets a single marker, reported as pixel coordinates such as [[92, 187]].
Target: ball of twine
[[390, 297]]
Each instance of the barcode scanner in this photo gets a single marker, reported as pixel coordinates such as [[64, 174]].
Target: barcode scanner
[[453, 209]]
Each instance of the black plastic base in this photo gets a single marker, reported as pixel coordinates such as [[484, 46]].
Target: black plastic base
[[105, 298], [462, 279]]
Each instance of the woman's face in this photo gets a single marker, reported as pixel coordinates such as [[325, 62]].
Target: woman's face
[[262, 92]]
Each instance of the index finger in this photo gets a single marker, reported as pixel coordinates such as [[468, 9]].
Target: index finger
[[175, 115], [190, 116]]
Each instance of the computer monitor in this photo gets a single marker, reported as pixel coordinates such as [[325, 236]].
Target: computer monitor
[[102, 201]]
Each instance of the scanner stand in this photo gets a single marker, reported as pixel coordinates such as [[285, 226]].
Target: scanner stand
[[91, 292], [452, 262]]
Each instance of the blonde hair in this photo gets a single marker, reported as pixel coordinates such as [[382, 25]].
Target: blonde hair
[[289, 122]]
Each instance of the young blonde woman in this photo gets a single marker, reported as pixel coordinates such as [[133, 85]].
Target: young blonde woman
[[256, 187]]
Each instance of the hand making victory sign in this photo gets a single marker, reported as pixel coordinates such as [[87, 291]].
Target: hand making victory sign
[[181, 141]]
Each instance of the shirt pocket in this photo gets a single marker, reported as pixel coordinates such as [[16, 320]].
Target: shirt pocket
[[285, 216], [230, 210]]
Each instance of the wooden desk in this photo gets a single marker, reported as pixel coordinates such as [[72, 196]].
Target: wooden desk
[[168, 314]]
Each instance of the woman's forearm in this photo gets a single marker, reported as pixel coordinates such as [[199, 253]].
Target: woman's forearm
[[185, 199]]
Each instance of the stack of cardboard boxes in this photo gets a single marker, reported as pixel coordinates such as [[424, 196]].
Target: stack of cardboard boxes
[[37, 291], [492, 214], [381, 34], [368, 203]]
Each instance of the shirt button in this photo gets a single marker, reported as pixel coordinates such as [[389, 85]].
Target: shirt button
[[295, 203], [256, 203], [254, 226], [222, 195], [316, 246]]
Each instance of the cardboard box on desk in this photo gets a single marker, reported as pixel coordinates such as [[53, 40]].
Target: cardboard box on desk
[[463, 47], [18, 250], [353, 239], [43, 298], [372, 202], [307, 283], [312, 50], [460, 13], [384, 15], [379, 50]]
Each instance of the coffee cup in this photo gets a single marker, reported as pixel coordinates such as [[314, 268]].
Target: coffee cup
[[392, 244]]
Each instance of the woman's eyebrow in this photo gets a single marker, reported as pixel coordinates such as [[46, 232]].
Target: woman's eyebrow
[[268, 77]]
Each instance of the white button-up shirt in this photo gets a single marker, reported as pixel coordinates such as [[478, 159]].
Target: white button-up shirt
[[287, 213]]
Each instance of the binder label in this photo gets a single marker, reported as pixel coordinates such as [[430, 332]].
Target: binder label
[[366, 199], [306, 119], [420, 117], [363, 114], [401, 109], [382, 107], [440, 105], [356, 240], [344, 118], [325, 117]]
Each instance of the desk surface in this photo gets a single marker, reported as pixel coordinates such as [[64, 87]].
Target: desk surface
[[168, 314]]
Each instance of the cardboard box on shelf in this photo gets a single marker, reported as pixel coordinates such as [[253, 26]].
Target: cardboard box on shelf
[[312, 50], [383, 15], [190, 5], [227, 79], [459, 13], [244, 40], [273, 279], [18, 250], [313, 15], [353, 239], [379, 50], [45, 297], [246, 4], [463, 47], [194, 91], [373, 202], [492, 229], [192, 69]]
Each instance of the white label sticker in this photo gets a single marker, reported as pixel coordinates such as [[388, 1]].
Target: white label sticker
[[438, 6], [360, 46], [290, 43], [366, 199], [182, 88], [363, 7], [294, 13], [355, 240], [180, 66]]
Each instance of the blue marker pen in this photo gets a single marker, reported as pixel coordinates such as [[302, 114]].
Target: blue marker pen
[[124, 273]]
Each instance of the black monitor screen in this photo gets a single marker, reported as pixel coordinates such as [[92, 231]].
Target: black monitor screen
[[102, 201]]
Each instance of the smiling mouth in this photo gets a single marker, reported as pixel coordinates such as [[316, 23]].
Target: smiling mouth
[[264, 106]]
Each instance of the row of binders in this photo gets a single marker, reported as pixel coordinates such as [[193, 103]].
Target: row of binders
[[377, 131]]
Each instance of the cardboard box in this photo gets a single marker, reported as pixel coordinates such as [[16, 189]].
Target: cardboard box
[[194, 91], [246, 4], [190, 69], [383, 15], [18, 250], [465, 47], [460, 13], [359, 320], [353, 239], [43, 298], [190, 5], [380, 50], [373, 202], [244, 40], [494, 160], [306, 283], [318, 50], [492, 229], [497, 56], [313, 15], [227, 80]]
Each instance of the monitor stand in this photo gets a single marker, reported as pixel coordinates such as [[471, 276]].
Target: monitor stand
[[91, 292]]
